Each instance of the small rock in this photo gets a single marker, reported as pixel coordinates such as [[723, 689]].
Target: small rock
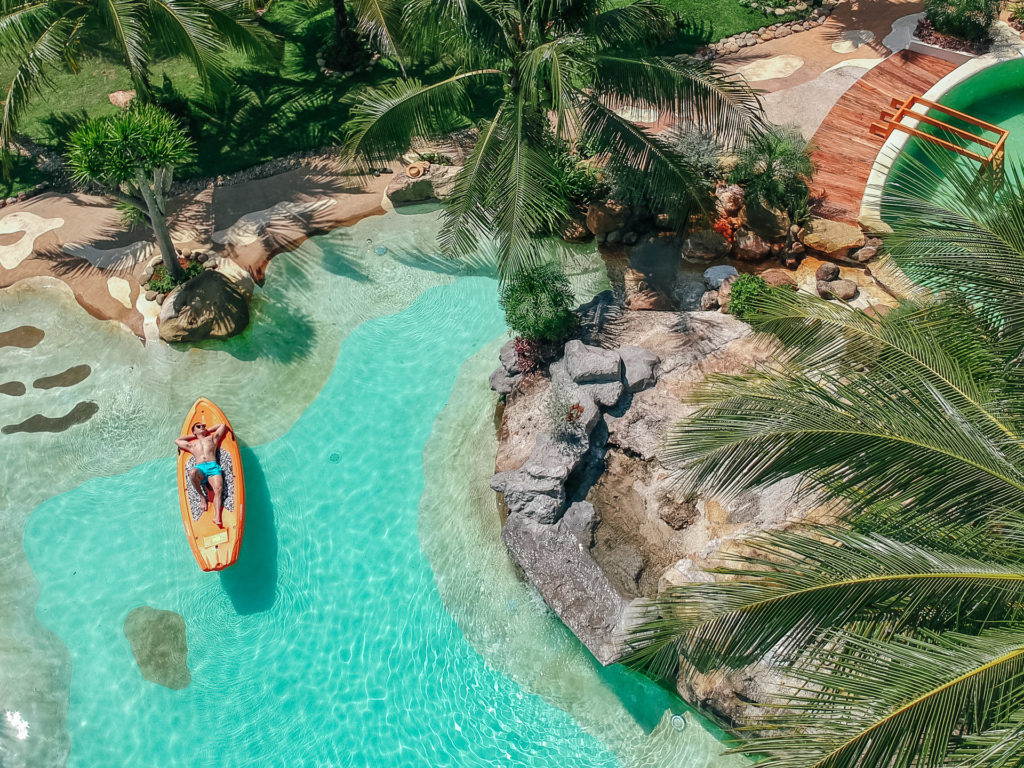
[[725, 290], [679, 516], [606, 216], [502, 382], [827, 271], [614, 237], [151, 295], [778, 278], [867, 253], [639, 365], [509, 358], [841, 289], [713, 276], [709, 301], [160, 298], [749, 246], [630, 238]]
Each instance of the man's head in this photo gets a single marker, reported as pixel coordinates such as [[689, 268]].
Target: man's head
[[199, 429]]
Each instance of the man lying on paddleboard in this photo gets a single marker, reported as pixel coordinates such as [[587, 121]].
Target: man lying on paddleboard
[[203, 445]]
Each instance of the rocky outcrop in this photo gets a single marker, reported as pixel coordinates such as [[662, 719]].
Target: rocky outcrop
[[210, 305], [713, 276], [619, 530], [433, 182], [705, 245], [158, 642]]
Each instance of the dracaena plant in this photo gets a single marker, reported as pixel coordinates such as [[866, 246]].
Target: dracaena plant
[[551, 69], [900, 625]]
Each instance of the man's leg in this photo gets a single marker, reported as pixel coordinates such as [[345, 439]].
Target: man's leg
[[197, 480], [217, 485]]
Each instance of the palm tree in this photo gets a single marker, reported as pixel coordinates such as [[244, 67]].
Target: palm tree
[[39, 35], [902, 624], [547, 67], [132, 155]]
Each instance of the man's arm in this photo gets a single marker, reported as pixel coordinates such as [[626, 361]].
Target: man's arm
[[219, 431], [183, 443]]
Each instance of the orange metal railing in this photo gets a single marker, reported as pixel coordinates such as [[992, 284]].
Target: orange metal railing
[[893, 121]]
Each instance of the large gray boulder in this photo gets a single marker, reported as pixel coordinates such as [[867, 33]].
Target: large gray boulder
[[639, 365], [501, 382], [587, 365], [158, 642], [210, 305], [560, 566]]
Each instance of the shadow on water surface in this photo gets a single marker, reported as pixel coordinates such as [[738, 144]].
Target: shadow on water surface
[[251, 583]]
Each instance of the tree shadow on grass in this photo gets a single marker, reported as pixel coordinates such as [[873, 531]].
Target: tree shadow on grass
[[251, 583]]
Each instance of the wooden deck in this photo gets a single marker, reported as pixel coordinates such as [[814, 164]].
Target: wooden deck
[[845, 150]]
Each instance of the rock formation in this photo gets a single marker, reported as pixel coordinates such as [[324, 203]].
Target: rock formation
[[210, 305]]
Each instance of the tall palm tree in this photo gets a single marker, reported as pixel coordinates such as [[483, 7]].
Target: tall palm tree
[[37, 36], [902, 624], [561, 67]]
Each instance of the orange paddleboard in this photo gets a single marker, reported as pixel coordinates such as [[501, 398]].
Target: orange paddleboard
[[214, 547]]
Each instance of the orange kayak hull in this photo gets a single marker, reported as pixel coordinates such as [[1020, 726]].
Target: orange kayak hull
[[215, 548]]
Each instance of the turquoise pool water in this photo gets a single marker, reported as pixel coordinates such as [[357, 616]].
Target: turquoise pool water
[[373, 618]]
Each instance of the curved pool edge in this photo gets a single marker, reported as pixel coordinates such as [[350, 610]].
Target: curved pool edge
[[870, 215]]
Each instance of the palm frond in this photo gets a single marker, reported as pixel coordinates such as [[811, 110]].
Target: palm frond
[[551, 71], [381, 22], [384, 120], [124, 20], [800, 587], [691, 91], [900, 703], [639, 24]]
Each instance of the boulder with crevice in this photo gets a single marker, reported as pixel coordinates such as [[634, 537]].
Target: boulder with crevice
[[209, 306], [835, 239]]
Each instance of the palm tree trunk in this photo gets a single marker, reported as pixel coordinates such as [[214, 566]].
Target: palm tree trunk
[[158, 220], [341, 25]]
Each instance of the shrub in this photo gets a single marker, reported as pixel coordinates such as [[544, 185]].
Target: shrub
[[701, 152], [436, 158], [1017, 12], [745, 290], [966, 19], [565, 415], [775, 167], [538, 303], [161, 282], [580, 181]]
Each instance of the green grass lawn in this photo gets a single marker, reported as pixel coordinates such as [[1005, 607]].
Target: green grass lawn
[[272, 111]]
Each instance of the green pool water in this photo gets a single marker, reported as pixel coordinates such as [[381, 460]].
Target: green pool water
[[373, 618], [994, 95]]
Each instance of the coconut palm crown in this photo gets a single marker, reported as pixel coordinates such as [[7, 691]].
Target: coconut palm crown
[[563, 68], [37, 36], [900, 626]]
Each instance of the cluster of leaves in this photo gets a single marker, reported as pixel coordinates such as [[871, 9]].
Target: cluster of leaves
[[745, 291], [967, 19], [436, 158], [1017, 12], [900, 625], [162, 282], [538, 302], [580, 181], [775, 166], [113, 151]]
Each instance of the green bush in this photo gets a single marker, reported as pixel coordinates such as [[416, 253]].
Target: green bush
[[538, 303], [436, 158], [580, 182], [161, 282], [774, 167], [966, 19], [745, 290]]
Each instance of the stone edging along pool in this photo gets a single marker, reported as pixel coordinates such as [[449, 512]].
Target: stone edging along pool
[[870, 217]]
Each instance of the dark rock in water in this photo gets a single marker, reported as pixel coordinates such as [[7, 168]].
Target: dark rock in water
[[210, 305], [12, 388], [68, 378], [158, 642], [24, 336], [39, 423]]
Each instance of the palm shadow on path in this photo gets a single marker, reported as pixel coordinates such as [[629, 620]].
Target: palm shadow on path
[[251, 583]]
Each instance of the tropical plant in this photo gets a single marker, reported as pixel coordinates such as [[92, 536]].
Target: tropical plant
[[967, 19], [743, 294], [581, 62], [775, 166], [900, 624], [538, 303], [38, 35], [132, 155]]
